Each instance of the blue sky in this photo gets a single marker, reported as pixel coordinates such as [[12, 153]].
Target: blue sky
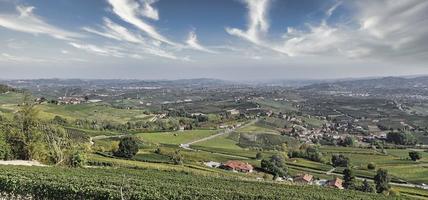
[[228, 39]]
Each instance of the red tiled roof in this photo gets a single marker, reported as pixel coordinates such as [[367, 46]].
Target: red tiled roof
[[238, 165], [337, 182], [305, 177]]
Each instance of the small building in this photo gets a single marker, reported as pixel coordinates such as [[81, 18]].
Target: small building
[[237, 166], [233, 112], [304, 179], [212, 164], [335, 183]]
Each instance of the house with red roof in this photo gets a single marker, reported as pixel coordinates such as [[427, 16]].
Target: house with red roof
[[304, 179], [237, 166], [335, 183]]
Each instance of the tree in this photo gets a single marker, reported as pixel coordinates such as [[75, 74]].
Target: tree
[[401, 138], [347, 142], [382, 180], [348, 179], [275, 165], [177, 158], [367, 187], [414, 155], [128, 147], [339, 160], [58, 142], [24, 136], [259, 155]]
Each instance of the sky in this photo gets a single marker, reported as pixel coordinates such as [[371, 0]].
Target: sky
[[225, 39]]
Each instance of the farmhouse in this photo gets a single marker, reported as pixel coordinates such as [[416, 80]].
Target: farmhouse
[[237, 166], [335, 183], [304, 179]]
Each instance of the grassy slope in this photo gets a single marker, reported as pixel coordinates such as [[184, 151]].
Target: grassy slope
[[175, 137]]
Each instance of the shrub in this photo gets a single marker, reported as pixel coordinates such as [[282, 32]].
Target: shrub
[[77, 159], [339, 160], [414, 155], [5, 151], [371, 166], [128, 148]]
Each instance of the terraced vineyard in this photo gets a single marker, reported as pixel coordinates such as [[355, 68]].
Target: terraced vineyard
[[109, 183]]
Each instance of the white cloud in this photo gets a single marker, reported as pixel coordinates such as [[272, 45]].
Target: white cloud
[[192, 42], [130, 11], [26, 21], [103, 51], [257, 21], [114, 31], [148, 11], [384, 29]]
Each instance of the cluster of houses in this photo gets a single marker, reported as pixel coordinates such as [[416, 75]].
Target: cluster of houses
[[302, 179], [307, 179]]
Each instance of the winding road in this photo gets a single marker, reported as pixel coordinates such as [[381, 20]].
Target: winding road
[[225, 131]]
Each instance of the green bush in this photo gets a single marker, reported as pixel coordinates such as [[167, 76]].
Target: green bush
[[128, 148], [5, 151], [77, 159], [371, 166]]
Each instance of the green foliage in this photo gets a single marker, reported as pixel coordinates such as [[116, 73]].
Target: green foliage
[[310, 152], [347, 142], [5, 150], [366, 187], [414, 155], [77, 159], [24, 135], [401, 138], [259, 155], [128, 147], [177, 158], [371, 166], [106, 183], [382, 180], [339, 160], [275, 165], [348, 179]]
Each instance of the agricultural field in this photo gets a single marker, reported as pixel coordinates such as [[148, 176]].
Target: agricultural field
[[176, 138], [109, 183]]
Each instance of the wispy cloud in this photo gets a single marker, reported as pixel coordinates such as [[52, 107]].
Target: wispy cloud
[[12, 58], [114, 31], [131, 11], [26, 21], [103, 51], [192, 42], [257, 21], [377, 29]]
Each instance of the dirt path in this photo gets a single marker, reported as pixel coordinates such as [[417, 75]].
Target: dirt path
[[21, 163]]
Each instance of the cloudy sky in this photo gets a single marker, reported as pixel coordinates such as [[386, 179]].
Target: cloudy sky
[[228, 39]]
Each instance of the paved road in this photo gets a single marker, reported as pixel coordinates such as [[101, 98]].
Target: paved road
[[225, 131]]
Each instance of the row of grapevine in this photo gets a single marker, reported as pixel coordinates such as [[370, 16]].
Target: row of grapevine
[[115, 183]]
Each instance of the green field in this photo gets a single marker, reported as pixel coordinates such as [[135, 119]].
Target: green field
[[177, 137]]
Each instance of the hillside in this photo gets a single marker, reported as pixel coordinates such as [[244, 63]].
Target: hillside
[[61, 183]]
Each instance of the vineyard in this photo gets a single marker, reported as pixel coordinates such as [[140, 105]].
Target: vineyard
[[111, 183]]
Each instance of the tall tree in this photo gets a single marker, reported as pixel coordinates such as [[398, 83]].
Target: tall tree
[[24, 136], [348, 178], [382, 180]]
